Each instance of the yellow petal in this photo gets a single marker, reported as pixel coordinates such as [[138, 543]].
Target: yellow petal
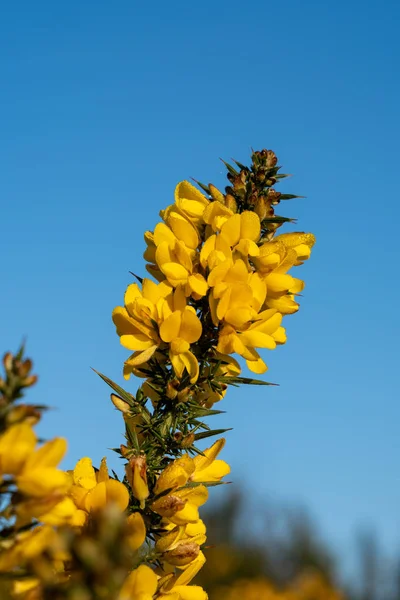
[[177, 364], [137, 530], [191, 364], [169, 329], [184, 230], [250, 225], [138, 358], [138, 341], [84, 474], [123, 321], [277, 282], [185, 190], [42, 481], [231, 229], [190, 329], [257, 366], [175, 273], [210, 454], [173, 476], [178, 346], [16, 445], [162, 233], [219, 273], [142, 582], [198, 284], [257, 339], [48, 455]]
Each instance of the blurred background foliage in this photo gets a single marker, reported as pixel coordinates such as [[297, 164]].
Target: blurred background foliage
[[266, 551]]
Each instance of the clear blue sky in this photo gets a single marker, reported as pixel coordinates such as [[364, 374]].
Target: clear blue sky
[[105, 106]]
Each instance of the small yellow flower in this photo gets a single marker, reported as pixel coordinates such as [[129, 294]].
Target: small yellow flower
[[180, 329], [93, 491], [137, 322], [242, 232], [300, 242], [265, 332], [179, 506], [136, 473], [207, 468]]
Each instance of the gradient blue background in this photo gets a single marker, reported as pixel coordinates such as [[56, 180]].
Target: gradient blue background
[[105, 106]]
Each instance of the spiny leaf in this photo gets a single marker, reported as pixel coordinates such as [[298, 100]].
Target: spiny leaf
[[246, 381], [278, 219], [283, 175], [242, 167], [198, 411], [231, 170], [289, 196], [117, 388], [140, 279], [205, 434], [193, 484], [204, 187]]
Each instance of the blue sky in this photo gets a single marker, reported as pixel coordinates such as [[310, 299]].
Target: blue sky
[[104, 108]]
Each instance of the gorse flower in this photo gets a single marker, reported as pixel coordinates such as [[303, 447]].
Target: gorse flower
[[222, 285]]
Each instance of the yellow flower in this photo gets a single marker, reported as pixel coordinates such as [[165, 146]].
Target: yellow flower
[[16, 445], [34, 470], [216, 214], [179, 506], [51, 510], [266, 332], [190, 201], [180, 545], [300, 242], [207, 468], [180, 329], [242, 231], [273, 264], [141, 584], [137, 322], [215, 250], [175, 587], [136, 473], [27, 545], [92, 491], [175, 257]]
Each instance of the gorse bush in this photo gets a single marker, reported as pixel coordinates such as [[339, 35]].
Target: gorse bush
[[220, 288]]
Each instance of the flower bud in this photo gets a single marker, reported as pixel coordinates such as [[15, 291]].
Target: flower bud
[[216, 194], [188, 440], [171, 391], [230, 203], [168, 506], [136, 473], [120, 404], [260, 207], [183, 554]]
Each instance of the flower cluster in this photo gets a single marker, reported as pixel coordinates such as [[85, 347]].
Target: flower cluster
[[224, 283], [221, 287]]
